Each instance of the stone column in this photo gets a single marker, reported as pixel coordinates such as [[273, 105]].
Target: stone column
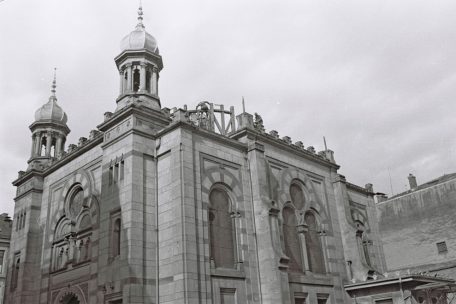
[[155, 81], [129, 78], [58, 145], [142, 80], [272, 268], [302, 229], [48, 143], [37, 143], [121, 84], [33, 153]]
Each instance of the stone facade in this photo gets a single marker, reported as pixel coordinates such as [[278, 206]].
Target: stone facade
[[184, 206]]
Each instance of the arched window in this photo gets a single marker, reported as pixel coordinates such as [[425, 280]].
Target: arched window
[[15, 274], [76, 200], [291, 239], [313, 244], [116, 238], [221, 229], [70, 299], [136, 80], [43, 146], [148, 80], [363, 243]]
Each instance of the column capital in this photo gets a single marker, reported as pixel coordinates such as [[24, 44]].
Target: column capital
[[302, 228]]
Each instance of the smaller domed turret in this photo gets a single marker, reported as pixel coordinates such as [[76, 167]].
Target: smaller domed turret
[[139, 65], [49, 131]]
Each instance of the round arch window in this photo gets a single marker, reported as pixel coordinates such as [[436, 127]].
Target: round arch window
[[76, 201], [297, 196]]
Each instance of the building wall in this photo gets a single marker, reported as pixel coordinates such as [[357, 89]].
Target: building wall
[[412, 224], [5, 238], [86, 171], [361, 240], [156, 179]]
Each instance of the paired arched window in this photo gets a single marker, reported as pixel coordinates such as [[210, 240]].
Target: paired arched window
[[221, 229], [293, 242], [313, 244]]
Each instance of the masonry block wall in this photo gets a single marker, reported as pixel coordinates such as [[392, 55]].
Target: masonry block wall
[[422, 220]]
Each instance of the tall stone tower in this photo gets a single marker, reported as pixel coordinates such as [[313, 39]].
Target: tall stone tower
[[49, 131]]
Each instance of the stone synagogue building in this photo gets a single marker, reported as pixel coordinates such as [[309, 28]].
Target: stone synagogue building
[[191, 206]]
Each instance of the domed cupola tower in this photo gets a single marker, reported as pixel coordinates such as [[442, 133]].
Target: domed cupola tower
[[49, 131], [139, 65]]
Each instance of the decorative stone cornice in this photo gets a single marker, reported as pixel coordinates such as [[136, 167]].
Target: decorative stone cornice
[[274, 140], [112, 119]]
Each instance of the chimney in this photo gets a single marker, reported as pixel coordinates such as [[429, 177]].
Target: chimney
[[412, 181]]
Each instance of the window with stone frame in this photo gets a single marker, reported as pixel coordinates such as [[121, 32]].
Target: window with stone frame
[[136, 80], [322, 299], [221, 229], [15, 271], [116, 171], [116, 238], [291, 239], [148, 80], [300, 300], [442, 247], [115, 234], [2, 256], [364, 243], [315, 255]]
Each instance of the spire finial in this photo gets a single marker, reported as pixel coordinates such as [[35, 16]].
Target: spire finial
[[140, 15], [54, 84]]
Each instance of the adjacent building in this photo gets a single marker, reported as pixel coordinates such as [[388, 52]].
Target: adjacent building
[[418, 227], [5, 238]]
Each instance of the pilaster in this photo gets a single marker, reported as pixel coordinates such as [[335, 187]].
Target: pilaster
[[273, 275]]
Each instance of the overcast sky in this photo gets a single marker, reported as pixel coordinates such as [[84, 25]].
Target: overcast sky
[[377, 78]]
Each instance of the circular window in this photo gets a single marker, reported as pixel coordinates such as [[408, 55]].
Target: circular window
[[76, 201], [297, 196]]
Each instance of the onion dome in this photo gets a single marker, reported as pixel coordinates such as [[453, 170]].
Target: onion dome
[[51, 111], [139, 39]]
